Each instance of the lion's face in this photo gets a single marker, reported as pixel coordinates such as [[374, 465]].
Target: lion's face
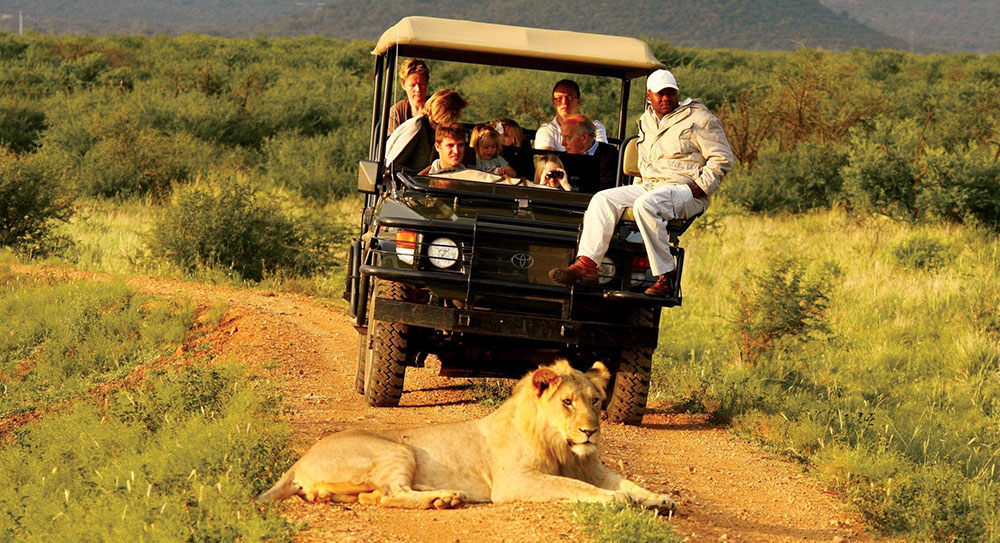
[[571, 404]]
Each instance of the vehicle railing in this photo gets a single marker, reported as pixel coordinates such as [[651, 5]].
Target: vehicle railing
[[494, 191]]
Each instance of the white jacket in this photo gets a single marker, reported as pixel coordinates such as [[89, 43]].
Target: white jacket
[[688, 144]]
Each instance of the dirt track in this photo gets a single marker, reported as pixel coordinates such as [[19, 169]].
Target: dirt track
[[727, 490]]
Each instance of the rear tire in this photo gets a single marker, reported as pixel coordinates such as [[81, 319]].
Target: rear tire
[[630, 386], [385, 361]]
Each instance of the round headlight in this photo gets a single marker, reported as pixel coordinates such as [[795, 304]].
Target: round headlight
[[606, 271], [443, 253]]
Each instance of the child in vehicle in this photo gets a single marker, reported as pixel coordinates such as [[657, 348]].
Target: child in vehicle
[[510, 132], [449, 142], [550, 172], [485, 140]]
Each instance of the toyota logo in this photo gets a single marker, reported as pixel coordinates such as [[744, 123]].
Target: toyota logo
[[522, 260]]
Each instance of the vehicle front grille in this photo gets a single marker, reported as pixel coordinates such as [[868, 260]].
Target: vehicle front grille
[[518, 260]]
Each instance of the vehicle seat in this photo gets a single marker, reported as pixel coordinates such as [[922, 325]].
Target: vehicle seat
[[630, 167], [630, 162]]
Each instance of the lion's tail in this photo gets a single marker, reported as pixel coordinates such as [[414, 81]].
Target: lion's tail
[[284, 488]]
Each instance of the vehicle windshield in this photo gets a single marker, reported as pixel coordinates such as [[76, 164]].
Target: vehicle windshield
[[479, 184]]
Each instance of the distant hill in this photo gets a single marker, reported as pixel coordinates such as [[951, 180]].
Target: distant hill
[[216, 17], [745, 24], [948, 26]]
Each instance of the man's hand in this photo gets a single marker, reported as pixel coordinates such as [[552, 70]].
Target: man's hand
[[696, 190]]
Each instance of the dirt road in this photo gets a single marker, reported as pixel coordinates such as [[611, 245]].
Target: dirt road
[[727, 490]]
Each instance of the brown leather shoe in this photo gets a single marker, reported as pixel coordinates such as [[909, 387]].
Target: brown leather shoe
[[583, 270], [663, 287]]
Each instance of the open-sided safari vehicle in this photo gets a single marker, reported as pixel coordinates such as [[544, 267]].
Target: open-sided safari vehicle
[[459, 269]]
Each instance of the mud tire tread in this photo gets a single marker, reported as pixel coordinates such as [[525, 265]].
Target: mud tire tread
[[630, 388], [388, 351]]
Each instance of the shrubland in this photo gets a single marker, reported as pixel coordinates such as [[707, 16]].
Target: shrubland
[[865, 347], [60, 340], [180, 457], [177, 454], [841, 295]]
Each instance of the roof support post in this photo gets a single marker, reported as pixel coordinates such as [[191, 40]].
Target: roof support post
[[387, 83], [623, 110], [376, 106]]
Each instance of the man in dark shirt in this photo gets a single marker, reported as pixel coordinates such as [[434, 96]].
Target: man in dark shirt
[[579, 135]]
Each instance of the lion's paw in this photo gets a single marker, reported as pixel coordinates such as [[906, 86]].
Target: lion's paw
[[658, 502], [449, 499]]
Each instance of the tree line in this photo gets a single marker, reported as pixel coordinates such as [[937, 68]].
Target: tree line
[[912, 137]]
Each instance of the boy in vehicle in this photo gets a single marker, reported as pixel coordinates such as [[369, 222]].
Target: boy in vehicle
[[449, 142]]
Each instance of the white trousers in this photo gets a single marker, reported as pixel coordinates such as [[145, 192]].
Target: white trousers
[[653, 205]]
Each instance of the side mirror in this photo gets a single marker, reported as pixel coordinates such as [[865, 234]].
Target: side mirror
[[368, 171]]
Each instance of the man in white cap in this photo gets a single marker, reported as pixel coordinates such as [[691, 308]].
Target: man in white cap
[[683, 155]]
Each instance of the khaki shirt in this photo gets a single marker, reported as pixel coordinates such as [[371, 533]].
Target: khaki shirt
[[688, 144]]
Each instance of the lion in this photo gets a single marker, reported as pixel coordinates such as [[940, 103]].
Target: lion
[[540, 445]]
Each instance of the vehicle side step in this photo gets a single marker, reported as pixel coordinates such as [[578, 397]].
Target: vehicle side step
[[640, 298]]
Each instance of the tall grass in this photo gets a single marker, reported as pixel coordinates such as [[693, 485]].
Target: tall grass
[[177, 457], [114, 237], [178, 460], [898, 402], [57, 341], [110, 236]]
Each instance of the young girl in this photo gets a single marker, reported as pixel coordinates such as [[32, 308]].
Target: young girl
[[486, 141], [512, 135], [550, 172]]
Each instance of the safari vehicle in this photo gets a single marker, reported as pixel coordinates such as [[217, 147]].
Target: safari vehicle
[[459, 269]]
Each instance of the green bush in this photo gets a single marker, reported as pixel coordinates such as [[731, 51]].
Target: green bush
[[136, 161], [920, 251], [21, 128], [11, 46], [804, 178], [74, 122], [961, 186], [318, 168], [880, 176], [777, 304], [224, 221], [30, 202]]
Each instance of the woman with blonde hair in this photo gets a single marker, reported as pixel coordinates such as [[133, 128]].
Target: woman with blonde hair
[[411, 146]]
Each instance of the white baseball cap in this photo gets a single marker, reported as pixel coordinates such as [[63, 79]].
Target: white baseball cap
[[659, 80]]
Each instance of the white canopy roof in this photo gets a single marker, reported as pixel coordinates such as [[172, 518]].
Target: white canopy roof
[[520, 47]]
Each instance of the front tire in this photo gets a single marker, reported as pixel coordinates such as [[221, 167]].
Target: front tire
[[385, 361], [630, 389], [359, 376]]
